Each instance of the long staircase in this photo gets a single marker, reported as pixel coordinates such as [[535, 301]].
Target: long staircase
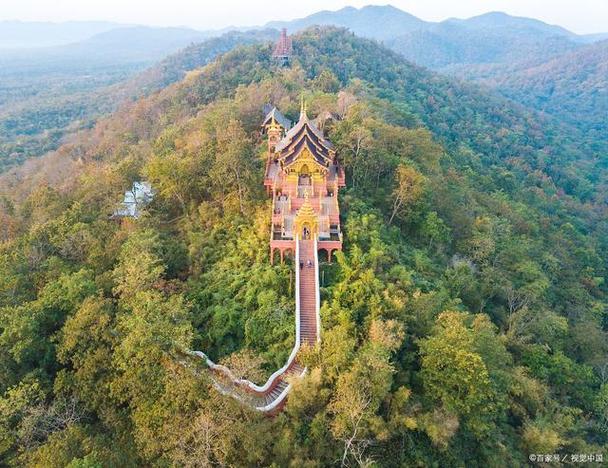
[[271, 396], [309, 332]]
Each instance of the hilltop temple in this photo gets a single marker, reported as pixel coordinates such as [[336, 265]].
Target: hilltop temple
[[303, 178]]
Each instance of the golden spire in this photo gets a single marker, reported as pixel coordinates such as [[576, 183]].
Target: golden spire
[[306, 209], [306, 217]]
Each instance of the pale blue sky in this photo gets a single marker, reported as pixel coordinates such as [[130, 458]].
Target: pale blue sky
[[581, 16]]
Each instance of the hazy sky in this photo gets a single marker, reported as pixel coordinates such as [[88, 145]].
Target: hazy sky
[[581, 16]]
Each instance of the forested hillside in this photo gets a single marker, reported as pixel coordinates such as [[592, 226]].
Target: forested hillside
[[573, 86], [47, 96], [457, 45], [463, 325]]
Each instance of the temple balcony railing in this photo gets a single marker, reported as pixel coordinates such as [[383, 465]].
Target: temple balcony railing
[[335, 234], [276, 235]]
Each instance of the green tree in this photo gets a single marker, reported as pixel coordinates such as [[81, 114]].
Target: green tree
[[409, 188], [453, 373]]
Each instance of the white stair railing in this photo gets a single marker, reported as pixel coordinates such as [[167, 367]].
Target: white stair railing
[[247, 384], [317, 292]]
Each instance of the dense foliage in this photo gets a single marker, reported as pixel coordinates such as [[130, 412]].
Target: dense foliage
[[463, 325], [40, 105], [572, 86], [458, 45]]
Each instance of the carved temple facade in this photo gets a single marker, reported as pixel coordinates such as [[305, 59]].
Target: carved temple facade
[[303, 177]]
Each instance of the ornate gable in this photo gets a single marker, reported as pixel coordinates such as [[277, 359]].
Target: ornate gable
[[304, 144]]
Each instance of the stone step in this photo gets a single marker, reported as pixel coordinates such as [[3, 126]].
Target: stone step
[[282, 385]]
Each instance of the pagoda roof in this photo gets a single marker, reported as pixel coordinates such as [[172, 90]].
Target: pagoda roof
[[279, 118], [305, 135], [318, 153], [303, 126]]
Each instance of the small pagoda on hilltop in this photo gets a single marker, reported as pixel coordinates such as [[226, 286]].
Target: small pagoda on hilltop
[[303, 177], [283, 48]]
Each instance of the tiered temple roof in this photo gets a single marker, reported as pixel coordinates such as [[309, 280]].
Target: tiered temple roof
[[305, 135], [274, 115], [303, 177]]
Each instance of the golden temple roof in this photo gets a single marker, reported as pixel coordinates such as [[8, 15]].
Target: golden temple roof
[[304, 135]]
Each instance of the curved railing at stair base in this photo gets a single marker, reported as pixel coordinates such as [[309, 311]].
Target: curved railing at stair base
[[247, 384]]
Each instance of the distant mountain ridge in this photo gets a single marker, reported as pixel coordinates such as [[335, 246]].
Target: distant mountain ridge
[[498, 19], [45, 89], [28, 34], [447, 44], [141, 45], [493, 37], [376, 22], [145, 42]]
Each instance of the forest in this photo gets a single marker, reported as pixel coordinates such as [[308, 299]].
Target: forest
[[464, 324], [48, 96], [572, 87]]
